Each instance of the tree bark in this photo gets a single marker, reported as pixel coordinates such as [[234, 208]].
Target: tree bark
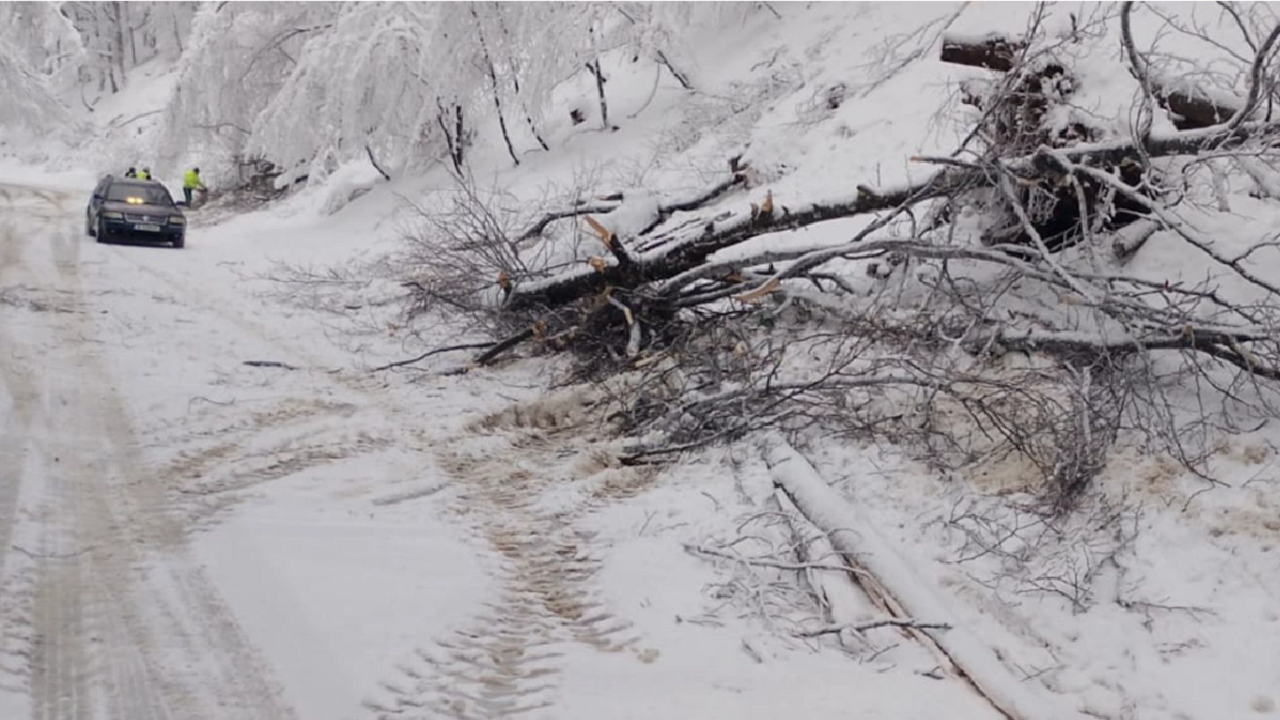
[[683, 249], [453, 138], [117, 52], [604, 101], [493, 83]]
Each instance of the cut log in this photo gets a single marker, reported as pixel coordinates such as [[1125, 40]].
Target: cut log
[[994, 52], [1189, 108]]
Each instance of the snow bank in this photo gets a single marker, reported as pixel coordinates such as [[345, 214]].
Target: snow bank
[[348, 184], [851, 533]]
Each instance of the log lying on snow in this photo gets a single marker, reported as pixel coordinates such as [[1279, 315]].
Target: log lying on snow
[[847, 604], [1190, 108], [993, 51], [687, 246], [854, 536]]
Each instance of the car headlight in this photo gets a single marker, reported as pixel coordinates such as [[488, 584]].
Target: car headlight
[[113, 215], [178, 221]]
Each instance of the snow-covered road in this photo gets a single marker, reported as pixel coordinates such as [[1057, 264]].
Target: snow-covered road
[[188, 537], [101, 592]]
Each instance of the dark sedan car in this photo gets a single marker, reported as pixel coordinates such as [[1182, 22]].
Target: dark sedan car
[[139, 209]]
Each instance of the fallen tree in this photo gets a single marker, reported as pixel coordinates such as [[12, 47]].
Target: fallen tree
[[690, 244], [707, 332]]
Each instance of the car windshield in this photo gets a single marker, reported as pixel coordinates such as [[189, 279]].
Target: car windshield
[[144, 194]]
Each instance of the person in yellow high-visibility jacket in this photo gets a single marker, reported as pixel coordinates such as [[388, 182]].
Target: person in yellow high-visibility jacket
[[190, 183]]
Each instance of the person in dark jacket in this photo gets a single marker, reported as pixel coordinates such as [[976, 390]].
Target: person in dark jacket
[[132, 173]]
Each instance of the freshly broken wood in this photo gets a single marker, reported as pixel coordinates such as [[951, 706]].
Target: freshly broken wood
[[611, 241]]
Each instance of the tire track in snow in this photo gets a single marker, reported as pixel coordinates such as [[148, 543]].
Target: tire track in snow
[[123, 623], [60, 477], [533, 472]]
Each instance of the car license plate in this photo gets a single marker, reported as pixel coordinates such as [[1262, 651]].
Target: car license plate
[[148, 228]]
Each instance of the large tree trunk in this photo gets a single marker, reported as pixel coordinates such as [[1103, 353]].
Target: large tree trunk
[[117, 51], [689, 244]]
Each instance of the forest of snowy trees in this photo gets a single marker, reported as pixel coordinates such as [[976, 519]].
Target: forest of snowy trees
[[327, 82]]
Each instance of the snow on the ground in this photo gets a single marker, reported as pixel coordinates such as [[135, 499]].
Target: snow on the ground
[[383, 546], [332, 586]]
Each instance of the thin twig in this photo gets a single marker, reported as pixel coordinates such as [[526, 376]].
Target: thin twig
[[429, 353], [905, 623]]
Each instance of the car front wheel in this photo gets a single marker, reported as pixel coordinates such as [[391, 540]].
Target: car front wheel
[[180, 241], [88, 225], [101, 232]]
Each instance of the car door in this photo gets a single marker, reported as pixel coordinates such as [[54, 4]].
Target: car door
[[95, 202]]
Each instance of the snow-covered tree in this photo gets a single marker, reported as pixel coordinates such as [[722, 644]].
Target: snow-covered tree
[[237, 58], [120, 36], [375, 80], [40, 57]]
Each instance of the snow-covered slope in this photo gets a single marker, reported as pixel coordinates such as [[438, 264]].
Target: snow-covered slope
[[417, 545]]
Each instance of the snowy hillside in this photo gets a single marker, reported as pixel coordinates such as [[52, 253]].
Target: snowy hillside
[[644, 360]]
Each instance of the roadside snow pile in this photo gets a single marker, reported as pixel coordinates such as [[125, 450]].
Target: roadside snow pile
[[347, 184]]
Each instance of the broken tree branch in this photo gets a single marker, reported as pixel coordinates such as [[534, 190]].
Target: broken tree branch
[[905, 623], [429, 353], [374, 161]]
